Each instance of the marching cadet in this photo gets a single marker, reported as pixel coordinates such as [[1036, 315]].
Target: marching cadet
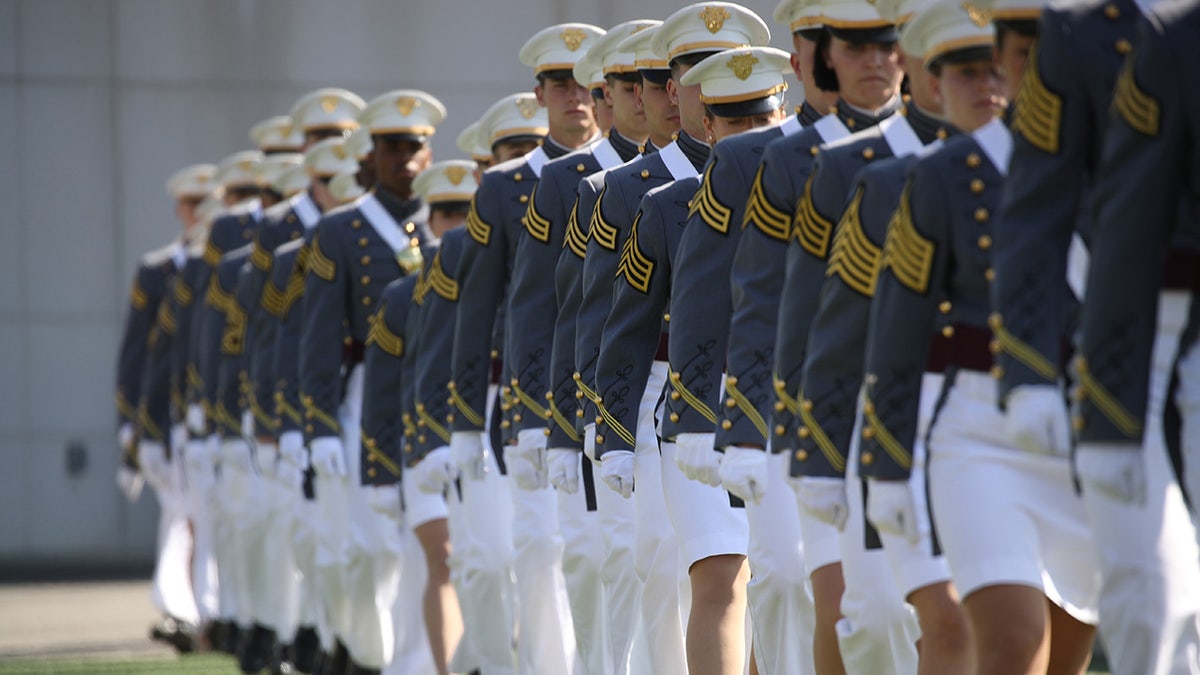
[[1149, 602], [277, 135], [321, 114], [603, 638], [481, 526], [355, 252], [495, 227], [471, 144], [944, 34], [346, 187], [143, 408], [1138, 376], [1028, 578], [746, 81]]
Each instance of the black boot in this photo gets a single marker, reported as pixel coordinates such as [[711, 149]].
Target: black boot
[[356, 669], [305, 647], [231, 637], [281, 660], [337, 661], [255, 649]]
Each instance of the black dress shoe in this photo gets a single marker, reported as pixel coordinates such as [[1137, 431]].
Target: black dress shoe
[[336, 662], [230, 637], [256, 648], [355, 669], [281, 660], [179, 634], [305, 647]]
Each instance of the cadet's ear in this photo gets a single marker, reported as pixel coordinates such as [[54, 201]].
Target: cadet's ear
[[935, 88], [673, 92], [540, 93]]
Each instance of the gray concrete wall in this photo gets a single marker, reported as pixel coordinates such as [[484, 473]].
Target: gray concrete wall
[[100, 100]]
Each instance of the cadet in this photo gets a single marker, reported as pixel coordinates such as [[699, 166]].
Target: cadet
[[1013, 533], [1138, 376], [481, 526], [1149, 603], [355, 252], [495, 227], [471, 144]]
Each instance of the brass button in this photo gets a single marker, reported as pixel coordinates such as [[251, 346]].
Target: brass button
[[579, 414], [1077, 423], [308, 414], [495, 353], [779, 430], [948, 331], [803, 432], [366, 301], [989, 274], [977, 185], [973, 160], [997, 372], [726, 425], [868, 433], [421, 439], [1111, 11], [981, 215], [599, 420], [576, 376], [579, 394], [732, 380], [308, 428], [801, 455], [450, 385], [674, 418], [517, 177], [807, 405], [356, 224], [813, 151], [868, 153], [371, 472], [599, 439], [667, 317], [362, 241], [730, 403], [365, 280], [645, 174], [675, 377], [450, 418], [347, 340], [517, 418], [1081, 365], [505, 424], [409, 227], [985, 242], [580, 167], [850, 124], [1124, 46], [779, 407], [549, 396], [546, 432], [868, 408], [995, 347], [995, 321], [675, 396], [944, 307], [366, 260], [524, 198], [868, 458]]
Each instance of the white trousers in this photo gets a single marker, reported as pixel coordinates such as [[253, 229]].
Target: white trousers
[[1188, 400], [275, 577], [172, 588], [200, 475], [1150, 579], [546, 635], [594, 572]]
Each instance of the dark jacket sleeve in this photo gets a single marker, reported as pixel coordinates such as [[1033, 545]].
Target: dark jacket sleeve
[[229, 357], [147, 291], [565, 398], [326, 293], [610, 217], [438, 312], [154, 401], [287, 278], [382, 426]]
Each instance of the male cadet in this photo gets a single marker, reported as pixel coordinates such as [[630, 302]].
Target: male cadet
[[603, 641], [1144, 254], [415, 363], [832, 373], [481, 523], [238, 176], [1149, 598], [495, 227], [470, 144], [746, 82], [354, 254], [143, 409]]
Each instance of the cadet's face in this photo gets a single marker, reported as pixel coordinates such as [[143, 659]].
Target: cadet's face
[[970, 93], [1012, 53], [717, 127], [238, 194], [869, 74], [366, 170], [441, 222], [628, 115], [662, 116], [506, 150], [920, 84], [687, 99], [603, 112], [398, 161], [803, 53], [567, 103], [312, 137], [185, 211]]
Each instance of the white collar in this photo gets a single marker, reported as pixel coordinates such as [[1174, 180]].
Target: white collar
[[900, 136], [996, 142]]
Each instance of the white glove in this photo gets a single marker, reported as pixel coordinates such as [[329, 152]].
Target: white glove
[[1115, 470], [466, 449], [527, 460], [433, 473], [589, 441], [266, 455], [1036, 420], [130, 482], [385, 500], [291, 449], [125, 437], [564, 469], [616, 470], [179, 438], [744, 473], [152, 458], [195, 419], [247, 424], [198, 456], [892, 509], [235, 455], [328, 457], [698, 459], [824, 498]]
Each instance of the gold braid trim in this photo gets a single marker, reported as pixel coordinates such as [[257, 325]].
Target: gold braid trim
[[137, 297], [536, 224], [283, 408], [616, 425], [773, 222], [601, 230], [465, 408], [635, 266], [1139, 109], [691, 399], [836, 459], [714, 214], [563, 422], [433, 424], [183, 293], [855, 260], [576, 238], [789, 404], [745, 406], [212, 254], [884, 437], [442, 283], [260, 257], [380, 334], [318, 263], [529, 402], [374, 454], [1022, 352], [166, 319], [321, 416], [906, 252], [1038, 115], [480, 231], [1107, 404], [812, 230]]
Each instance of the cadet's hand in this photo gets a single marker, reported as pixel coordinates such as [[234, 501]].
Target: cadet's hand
[[130, 482], [328, 457], [616, 470], [152, 458], [291, 449], [744, 473], [126, 435], [435, 471], [195, 419], [235, 455], [1115, 470], [466, 449], [266, 456], [892, 509], [698, 458], [527, 460], [589, 442], [823, 498], [1036, 419], [564, 469], [385, 500], [179, 439]]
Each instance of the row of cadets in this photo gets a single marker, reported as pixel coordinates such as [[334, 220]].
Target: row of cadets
[[486, 274], [1127, 460]]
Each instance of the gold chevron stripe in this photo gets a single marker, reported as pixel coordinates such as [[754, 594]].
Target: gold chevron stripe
[[854, 259], [812, 230], [260, 257], [442, 283], [773, 222], [1038, 115], [380, 334], [480, 231], [601, 230], [576, 239], [1139, 109], [714, 214], [537, 225], [635, 266], [318, 263], [906, 252]]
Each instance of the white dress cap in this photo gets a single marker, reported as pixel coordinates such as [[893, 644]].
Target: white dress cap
[[513, 115], [197, 180], [558, 47], [607, 50], [274, 166], [448, 181], [944, 27], [710, 27], [799, 14], [403, 111], [470, 143], [328, 157], [277, 134], [292, 180], [240, 170], [358, 143], [740, 75], [328, 108], [344, 187]]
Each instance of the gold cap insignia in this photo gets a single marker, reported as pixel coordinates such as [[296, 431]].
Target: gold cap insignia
[[339, 151], [329, 103], [405, 105], [456, 174], [572, 38], [742, 65], [714, 18], [528, 107], [246, 165], [978, 15]]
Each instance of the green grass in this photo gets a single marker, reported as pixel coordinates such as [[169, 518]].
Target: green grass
[[216, 664]]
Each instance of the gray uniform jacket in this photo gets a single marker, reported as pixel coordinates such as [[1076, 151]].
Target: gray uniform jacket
[[494, 228], [757, 278], [1058, 124], [151, 283], [935, 262], [352, 258], [388, 342], [229, 401], [1152, 150], [532, 307], [437, 296], [287, 283], [635, 326], [184, 304]]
